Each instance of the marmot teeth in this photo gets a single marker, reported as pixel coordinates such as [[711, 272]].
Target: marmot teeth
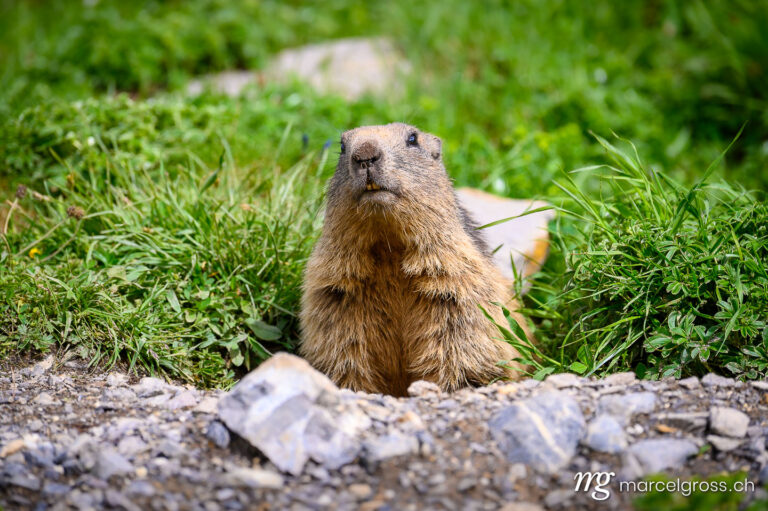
[[372, 186]]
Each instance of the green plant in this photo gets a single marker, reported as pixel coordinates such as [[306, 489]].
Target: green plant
[[659, 278], [722, 492], [170, 264]]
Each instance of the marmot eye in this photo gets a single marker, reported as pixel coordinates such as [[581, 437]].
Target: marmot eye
[[343, 147], [412, 139]]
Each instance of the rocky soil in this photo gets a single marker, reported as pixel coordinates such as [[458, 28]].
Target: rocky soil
[[74, 439]]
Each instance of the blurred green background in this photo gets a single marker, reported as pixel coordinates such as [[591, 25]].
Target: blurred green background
[[222, 194], [516, 85]]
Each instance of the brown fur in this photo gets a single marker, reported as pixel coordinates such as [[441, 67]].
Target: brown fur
[[392, 288]]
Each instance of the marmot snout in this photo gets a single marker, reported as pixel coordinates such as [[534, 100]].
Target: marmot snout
[[393, 287]]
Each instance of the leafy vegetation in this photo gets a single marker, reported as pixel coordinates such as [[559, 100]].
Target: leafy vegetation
[[666, 279], [726, 492], [171, 231], [130, 250]]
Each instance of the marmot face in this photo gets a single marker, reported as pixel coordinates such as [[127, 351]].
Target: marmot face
[[382, 168]]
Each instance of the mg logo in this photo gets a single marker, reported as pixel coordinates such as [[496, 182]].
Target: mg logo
[[596, 482]]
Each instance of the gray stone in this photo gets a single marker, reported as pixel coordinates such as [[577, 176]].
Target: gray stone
[[447, 404], [563, 380], [624, 406], [762, 477], [272, 406], [141, 488], [684, 420], [542, 431], [422, 388], [207, 405], [530, 384], [118, 395], [760, 384], [218, 434], [389, 446], [150, 386], [117, 379], [728, 422], [131, 445], [84, 500], [39, 368], [724, 444], [326, 444], [110, 463], [159, 399], [117, 500], [42, 456], [349, 67], [605, 434], [558, 498], [466, 483], [169, 449], [253, 478], [656, 455], [715, 380], [44, 399], [622, 379], [184, 399], [123, 426], [52, 489], [82, 452], [17, 474], [691, 383]]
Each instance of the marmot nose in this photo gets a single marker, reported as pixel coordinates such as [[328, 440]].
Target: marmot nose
[[366, 154]]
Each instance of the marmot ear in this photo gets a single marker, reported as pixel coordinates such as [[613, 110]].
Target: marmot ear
[[436, 147]]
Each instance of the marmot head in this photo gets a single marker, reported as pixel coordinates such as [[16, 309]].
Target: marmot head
[[388, 168]]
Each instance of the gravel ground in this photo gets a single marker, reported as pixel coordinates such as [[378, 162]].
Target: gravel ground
[[77, 439]]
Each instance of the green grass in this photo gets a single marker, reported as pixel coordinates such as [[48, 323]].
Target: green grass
[[167, 263], [713, 493], [198, 213], [652, 276]]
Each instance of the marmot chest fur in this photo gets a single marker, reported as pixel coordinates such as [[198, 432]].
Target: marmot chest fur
[[393, 287]]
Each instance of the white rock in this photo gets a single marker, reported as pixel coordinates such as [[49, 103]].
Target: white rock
[[291, 412], [116, 379], [44, 399], [656, 455], [624, 406], [207, 405], [728, 422], [254, 478], [422, 388], [110, 462], [563, 380], [525, 238], [349, 67], [542, 431], [724, 444], [605, 434], [39, 368], [183, 399], [390, 446], [625, 378], [150, 386], [715, 380]]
